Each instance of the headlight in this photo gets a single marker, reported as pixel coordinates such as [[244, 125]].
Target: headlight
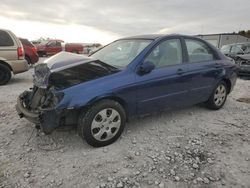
[[238, 61], [57, 97], [52, 99]]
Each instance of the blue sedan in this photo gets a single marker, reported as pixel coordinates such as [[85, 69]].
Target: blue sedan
[[130, 77]]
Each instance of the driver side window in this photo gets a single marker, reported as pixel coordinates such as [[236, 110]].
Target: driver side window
[[237, 50], [168, 52], [52, 44]]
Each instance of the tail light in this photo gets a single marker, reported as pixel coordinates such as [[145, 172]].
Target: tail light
[[20, 53], [34, 50]]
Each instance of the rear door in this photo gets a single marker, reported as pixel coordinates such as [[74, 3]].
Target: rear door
[[203, 69], [166, 86], [58, 46]]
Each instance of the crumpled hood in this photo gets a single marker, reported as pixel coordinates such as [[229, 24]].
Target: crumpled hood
[[245, 56], [64, 60], [67, 69]]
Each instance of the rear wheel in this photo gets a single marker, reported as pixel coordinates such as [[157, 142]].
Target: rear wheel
[[5, 74], [218, 97], [28, 60], [102, 124]]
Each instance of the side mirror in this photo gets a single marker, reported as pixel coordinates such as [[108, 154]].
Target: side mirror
[[146, 67]]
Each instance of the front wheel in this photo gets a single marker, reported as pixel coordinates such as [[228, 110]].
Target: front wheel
[[102, 124], [42, 54], [218, 97]]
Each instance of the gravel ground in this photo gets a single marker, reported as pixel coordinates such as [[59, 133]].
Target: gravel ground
[[191, 147]]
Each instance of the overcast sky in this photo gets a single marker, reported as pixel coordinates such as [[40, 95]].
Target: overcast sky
[[106, 20]]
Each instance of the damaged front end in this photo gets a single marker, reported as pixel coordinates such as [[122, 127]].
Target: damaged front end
[[38, 104], [244, 65], [44, 104]]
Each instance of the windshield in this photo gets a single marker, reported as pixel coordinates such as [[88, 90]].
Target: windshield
[[225, 49], [122, 52], [44, 42]]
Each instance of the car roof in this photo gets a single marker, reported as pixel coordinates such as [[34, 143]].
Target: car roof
[[153, 36], [4, 30], [22, 38], [243, 43], [236, 44]]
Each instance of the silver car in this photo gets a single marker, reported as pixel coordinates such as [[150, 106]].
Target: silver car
[[12, 57]]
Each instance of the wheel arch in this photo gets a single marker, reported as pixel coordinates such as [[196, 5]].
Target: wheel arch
[[29, 59], [121, 101], [6, 64], [228, 83]]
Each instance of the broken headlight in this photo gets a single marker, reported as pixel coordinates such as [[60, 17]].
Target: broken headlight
[[51, 99]]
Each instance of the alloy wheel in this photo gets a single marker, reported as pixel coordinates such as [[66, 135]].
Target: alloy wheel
[[105, 124], [220, 95]]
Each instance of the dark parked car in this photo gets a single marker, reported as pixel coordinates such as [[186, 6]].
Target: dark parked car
[[31, 55], [240, 52], [130, 77]]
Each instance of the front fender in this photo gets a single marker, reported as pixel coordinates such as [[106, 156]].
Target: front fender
[[119, 88], [78, 102], [76, 98]]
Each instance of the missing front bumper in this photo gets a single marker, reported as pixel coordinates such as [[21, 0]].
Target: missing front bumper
[[23, 111], [48, 120]]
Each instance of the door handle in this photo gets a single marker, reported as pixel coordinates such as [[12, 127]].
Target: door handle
[[180, 71]]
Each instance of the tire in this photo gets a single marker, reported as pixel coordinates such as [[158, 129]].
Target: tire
[[42, 54], [5, 74], [218, 96], [104, 119], [39, 54], [28, 60]]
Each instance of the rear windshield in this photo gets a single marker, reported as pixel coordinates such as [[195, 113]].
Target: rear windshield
[[5, 39], [26, 42]]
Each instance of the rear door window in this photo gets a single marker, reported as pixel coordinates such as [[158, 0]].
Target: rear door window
[[247, 49], [5, 39], [58, 43], [26, 42], [52, 44], [198, 51]]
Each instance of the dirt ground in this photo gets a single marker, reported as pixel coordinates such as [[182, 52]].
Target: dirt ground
[[191, 147]]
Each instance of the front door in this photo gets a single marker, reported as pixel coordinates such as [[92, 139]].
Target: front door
[[53, 47], [166, 86]]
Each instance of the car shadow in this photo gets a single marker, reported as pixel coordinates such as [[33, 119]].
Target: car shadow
[[17, 80], [244, 77], [67, 137], [168, 116]]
